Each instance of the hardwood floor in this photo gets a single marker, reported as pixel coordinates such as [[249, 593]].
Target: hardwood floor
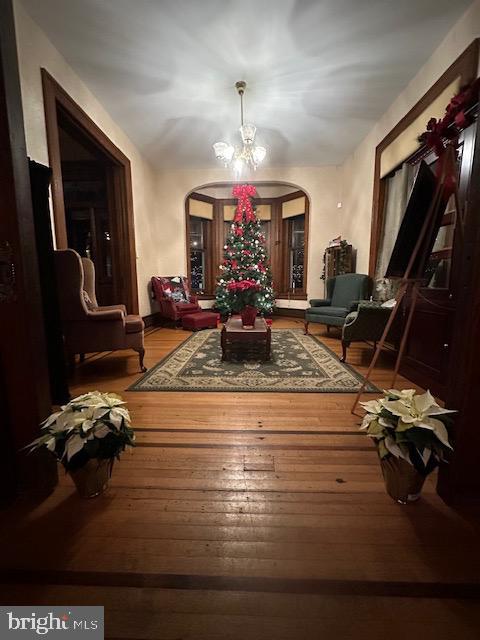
[[246, 515]]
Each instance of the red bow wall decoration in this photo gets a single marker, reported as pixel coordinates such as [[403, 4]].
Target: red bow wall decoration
[[244, 192]]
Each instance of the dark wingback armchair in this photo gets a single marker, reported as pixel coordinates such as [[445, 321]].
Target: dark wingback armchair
[[343, 295], [87, 327], [367, 323], [173, 296]]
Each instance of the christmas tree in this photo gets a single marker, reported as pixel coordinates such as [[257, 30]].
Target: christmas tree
[[245, 277]]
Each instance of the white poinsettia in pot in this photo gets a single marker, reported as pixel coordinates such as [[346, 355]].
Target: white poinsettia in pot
[[86, 436], [410, 431]]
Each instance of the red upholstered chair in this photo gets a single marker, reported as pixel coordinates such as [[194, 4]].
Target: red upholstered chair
[[173, 296]]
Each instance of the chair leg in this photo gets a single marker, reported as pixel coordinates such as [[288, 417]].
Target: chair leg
[[328, 328], [345, 345], [141, 355], [82, 357], [306, 327]]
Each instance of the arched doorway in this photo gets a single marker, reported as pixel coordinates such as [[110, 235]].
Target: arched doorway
[[283, 210]]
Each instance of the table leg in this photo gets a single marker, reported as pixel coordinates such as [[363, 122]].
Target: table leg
[[223, 342]]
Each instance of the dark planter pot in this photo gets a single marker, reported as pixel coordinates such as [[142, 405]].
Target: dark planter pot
[[92, 479], [248, 315], [402, 481]]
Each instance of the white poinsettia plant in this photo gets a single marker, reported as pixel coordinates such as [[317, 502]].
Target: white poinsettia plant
[[408, 425], [94, 425]]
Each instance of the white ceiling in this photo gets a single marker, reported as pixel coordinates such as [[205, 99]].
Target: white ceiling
[[319, 72]]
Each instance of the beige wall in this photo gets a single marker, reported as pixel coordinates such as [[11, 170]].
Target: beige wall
[[321, 184], [357, 171], [36, 51]]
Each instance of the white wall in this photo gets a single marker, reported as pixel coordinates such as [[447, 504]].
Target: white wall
[[36, 51], [358, 169], [321, 184]]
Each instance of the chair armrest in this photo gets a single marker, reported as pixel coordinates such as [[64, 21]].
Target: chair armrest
[[373, 311], [354, 304], [113, 307], [168, 308], [193, 298], [111, 315], [351, 318], [320, 303], [367, 323]]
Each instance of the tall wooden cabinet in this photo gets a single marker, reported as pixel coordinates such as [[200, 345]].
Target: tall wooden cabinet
[[429, 350], [338, 260]]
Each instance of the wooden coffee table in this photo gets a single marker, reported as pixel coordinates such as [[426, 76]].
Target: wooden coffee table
[[246, 344]]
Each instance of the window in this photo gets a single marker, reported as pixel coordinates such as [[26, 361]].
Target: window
[[201, 249], [284, 222], [198, 261], [294, 216], [296, 253]]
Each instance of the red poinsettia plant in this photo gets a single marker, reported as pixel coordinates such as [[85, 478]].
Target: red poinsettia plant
[[245, 293]]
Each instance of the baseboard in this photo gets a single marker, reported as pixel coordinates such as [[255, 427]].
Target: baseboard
[[152, 320], [155, 319], [291, 313]]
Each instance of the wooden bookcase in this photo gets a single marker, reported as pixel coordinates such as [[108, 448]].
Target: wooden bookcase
[[338, 260]]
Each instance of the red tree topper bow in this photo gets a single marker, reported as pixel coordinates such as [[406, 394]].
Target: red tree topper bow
[[244, 192]]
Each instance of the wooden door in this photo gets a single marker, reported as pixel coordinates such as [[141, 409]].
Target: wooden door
[[23, 361]]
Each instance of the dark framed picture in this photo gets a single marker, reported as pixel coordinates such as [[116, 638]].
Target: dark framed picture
[[416, 212]]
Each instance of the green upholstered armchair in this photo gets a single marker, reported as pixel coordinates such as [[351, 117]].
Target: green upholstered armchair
[[367, 323], [343, 295]]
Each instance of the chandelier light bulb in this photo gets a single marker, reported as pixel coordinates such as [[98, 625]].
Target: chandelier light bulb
[[259, 154], [247, 131]]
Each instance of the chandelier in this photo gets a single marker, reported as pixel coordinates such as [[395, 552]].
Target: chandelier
[[247, 155]]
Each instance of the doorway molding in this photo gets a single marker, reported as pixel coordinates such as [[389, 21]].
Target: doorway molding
[[56, 99]]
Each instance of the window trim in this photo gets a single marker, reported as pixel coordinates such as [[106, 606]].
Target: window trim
[[210, 241], [284, 291]]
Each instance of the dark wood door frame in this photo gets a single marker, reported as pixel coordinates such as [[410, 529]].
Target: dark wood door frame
[[56, 100], [24, 388], [465, 67]]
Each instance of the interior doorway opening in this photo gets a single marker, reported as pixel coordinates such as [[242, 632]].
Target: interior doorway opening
[[92, 196], [89, 212], [283, 210]]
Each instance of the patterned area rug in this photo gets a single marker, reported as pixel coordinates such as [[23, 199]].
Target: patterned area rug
[[299, 363]]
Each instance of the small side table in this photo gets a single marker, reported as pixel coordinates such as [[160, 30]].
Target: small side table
[[246, 344]]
